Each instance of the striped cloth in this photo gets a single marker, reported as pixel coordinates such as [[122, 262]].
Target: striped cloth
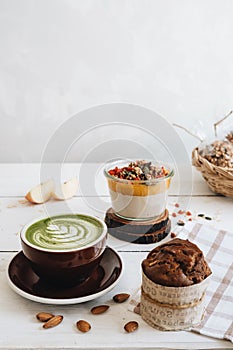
[[217, 246], [218, 250]]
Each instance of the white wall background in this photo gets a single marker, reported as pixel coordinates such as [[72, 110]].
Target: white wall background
[[59, 57]]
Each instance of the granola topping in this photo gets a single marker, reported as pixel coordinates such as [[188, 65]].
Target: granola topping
[[140, 170], [219, 153]]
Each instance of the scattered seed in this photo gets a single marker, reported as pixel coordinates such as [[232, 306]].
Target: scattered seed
[[173, 234], [121, 297], [131, 326], [177, 205], [188, 213], [201, 215], [174, 215], [180, 223], [190, 219], [83, 326], [100, 309], [208, 218], [181, 212]]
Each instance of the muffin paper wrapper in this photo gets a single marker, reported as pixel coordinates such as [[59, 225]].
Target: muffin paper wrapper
[[172, 308]]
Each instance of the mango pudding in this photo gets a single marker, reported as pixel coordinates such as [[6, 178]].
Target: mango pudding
[[138, 189]]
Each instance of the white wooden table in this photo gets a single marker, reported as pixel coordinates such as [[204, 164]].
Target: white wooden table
[[19, 328]]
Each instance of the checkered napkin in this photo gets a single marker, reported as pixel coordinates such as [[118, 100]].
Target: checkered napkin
[[217, 247]]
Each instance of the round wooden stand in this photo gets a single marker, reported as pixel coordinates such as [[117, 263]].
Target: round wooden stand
[[143, 232]]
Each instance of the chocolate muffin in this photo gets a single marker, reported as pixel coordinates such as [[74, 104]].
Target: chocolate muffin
[[177, 263]]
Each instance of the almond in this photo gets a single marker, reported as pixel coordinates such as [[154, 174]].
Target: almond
[[44, 316], [83, 326], [131, 326], [54, 321], [97, 310], [121, 297]]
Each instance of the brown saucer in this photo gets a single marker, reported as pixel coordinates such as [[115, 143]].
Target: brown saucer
[[25, 282], [142, 232]]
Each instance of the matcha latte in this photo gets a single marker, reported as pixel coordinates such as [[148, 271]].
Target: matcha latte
[[64, 232]]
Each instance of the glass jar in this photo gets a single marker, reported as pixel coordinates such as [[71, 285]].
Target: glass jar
[[138, 199]]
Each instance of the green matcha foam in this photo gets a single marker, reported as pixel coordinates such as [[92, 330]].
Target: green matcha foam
[[64, 232]]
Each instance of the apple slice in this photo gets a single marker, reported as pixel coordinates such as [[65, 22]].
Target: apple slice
[[41, 193], [66, 190]]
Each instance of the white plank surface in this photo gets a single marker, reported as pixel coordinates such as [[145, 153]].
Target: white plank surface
[[19, 327], [17, 179]]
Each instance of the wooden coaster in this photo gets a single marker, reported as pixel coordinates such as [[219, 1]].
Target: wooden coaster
[[143, 232]]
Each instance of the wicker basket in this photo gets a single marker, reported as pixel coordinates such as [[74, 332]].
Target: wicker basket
[[219, 179]]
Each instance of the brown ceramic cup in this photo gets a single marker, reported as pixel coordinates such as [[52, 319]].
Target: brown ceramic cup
[[64, 249]]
